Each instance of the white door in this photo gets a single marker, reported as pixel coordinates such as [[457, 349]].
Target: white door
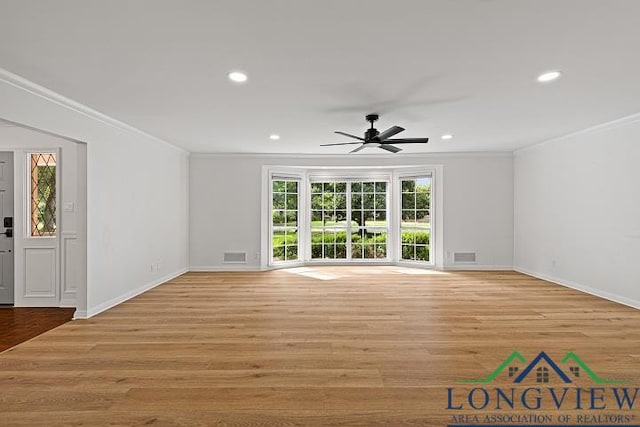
[[6, 227], [37, 175]]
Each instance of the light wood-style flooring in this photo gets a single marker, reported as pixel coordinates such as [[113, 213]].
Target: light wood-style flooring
[[330, 346]]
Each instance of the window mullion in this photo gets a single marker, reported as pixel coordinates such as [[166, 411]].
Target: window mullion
[[349, 248]]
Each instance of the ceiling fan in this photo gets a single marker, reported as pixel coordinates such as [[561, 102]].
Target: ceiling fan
[[373, 138]]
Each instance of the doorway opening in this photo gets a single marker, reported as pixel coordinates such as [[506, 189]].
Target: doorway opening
[[43, 214]]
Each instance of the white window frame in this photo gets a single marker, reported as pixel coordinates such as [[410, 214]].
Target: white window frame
[[410, 176], [283, 176], [349, 178], [391, 174]]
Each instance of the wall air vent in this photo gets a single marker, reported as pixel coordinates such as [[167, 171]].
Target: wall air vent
[[464, 257], [235, 258]]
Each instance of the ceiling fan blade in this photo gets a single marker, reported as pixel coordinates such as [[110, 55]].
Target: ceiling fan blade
[[390, 148], [340, 143], [407, 141], [362, 147], [349, 135], [393, 130]]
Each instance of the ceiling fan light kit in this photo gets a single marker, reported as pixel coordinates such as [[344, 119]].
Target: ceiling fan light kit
[[382, 140]]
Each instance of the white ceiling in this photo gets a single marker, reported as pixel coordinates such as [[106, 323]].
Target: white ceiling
[[457, 66]]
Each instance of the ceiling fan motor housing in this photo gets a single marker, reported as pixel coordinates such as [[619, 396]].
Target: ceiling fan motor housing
[[370, 134]]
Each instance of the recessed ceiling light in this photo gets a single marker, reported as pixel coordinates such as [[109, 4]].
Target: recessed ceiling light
[[447, 136], [274, 137], [237, 76], [549, 76]]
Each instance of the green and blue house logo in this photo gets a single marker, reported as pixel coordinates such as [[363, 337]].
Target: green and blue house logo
[[541, 392], [542, 369]]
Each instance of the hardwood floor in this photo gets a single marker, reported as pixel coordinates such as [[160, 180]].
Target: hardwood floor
[[332, 346], [21, 324]]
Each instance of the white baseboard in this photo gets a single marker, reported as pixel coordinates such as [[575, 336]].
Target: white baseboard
[[92, 311], [80, 314], [586, 289], [225, 268], [476, 267], [231, 268]]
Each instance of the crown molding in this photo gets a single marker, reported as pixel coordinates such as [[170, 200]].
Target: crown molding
[[35, 89], [612, 124], [354, 157]]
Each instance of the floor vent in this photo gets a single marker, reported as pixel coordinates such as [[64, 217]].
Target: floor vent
[[235, 257], [464, 257]]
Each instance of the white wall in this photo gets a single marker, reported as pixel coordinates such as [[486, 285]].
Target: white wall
[[136, 186], [72, 229], [577, 211], [225, 203]]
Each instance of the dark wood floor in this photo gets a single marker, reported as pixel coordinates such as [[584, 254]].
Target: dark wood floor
[[18, 325], [334, 346]]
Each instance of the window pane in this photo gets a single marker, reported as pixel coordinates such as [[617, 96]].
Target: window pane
[[291, 237], [408, 237], [43, 194], [316, 218], [278, 201], [278, 238], [341, 251], [278, 186], [381, 187], [357, 218], [356, 251], [316, 187], [328, 187], [341, 201], [316, 251], [278, 218], [356, 201], [292, 218], [422, 253], [329, 217], [368, 201], [292, 186], [422, 237], [341, 187], [316, 201], [368, 187], [408, 215], [407, 252], [292, 201], [278, 253], [356, 187], [408, 186], [422, 199], [329, 237], [380, 201], [329, 250], [291, 253], [408, 201], [369, 251]]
